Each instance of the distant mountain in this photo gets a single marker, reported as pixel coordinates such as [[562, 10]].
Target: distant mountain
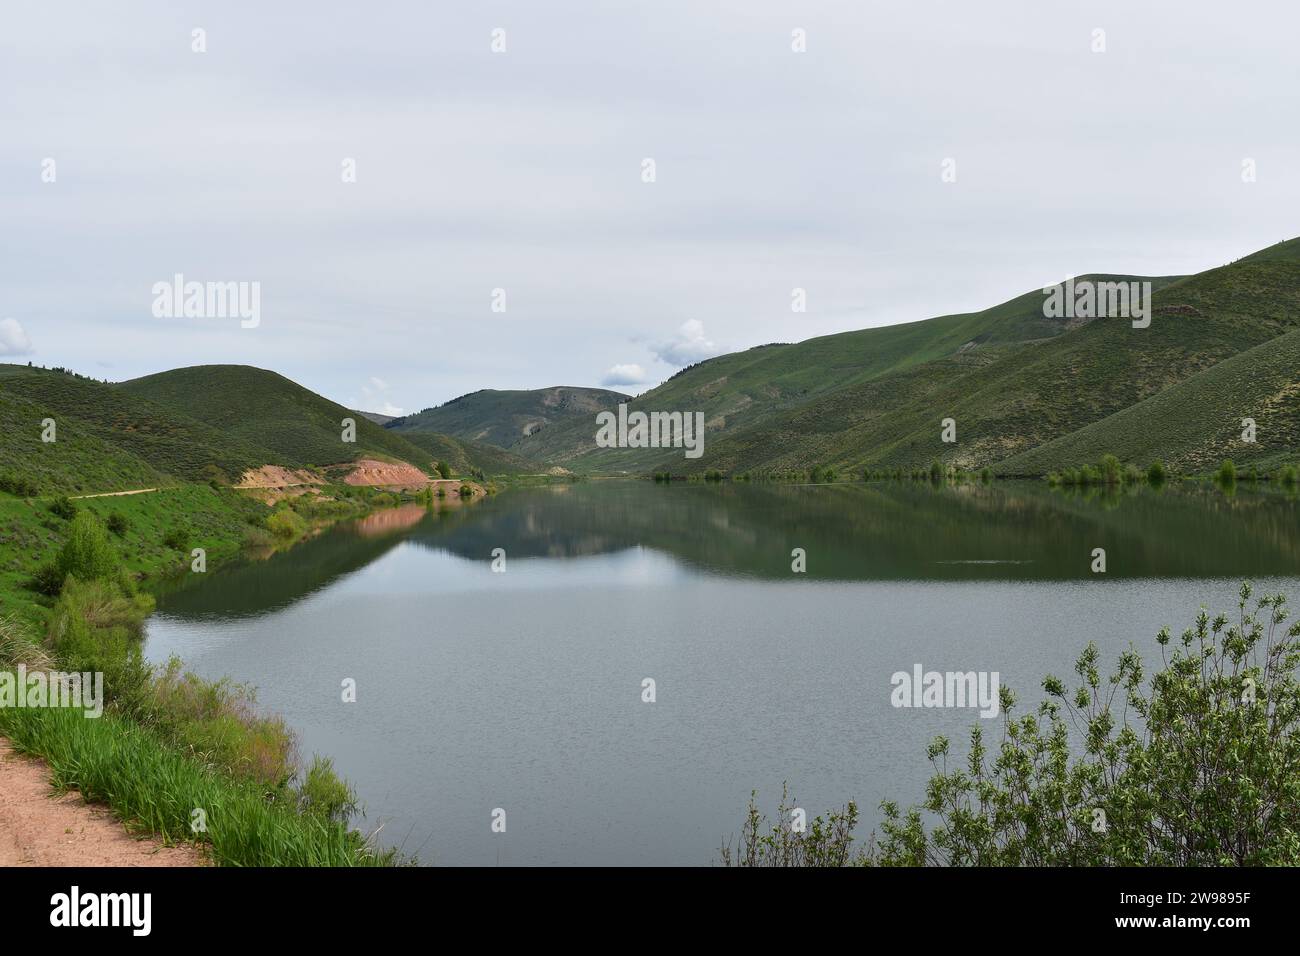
[[375, 417], [507, 418]]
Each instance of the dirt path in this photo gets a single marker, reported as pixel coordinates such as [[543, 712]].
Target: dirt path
[[114, 494], [39, 829]]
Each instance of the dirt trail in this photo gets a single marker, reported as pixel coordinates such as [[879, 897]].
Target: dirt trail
[[114, 494], [40, 829]]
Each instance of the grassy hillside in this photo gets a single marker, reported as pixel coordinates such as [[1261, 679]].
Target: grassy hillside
[[107, 439], [1196, 424], [1018, 397], [466, 456], [506, 418], [738, 390], [298, 426], [1011, 379]]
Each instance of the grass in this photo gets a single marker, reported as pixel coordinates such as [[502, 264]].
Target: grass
[[151, 785], [170, 742]]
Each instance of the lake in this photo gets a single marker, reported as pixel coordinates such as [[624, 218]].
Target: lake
[[522, 688]]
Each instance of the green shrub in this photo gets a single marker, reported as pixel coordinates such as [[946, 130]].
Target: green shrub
[[63, 507], [17, 485], [1193, 767], [87, 553], [95, 627], [324, 794], [286, 523], [219, 720], [825, 841], [178, 538], [47, 579], [1156, 472], [1227, 473], [118, 524], [443, 469], [1109, 470]]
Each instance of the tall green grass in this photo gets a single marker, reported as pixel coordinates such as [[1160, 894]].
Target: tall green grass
[[158, 790]]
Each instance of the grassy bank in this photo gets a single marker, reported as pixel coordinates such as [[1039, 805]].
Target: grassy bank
[[174, 754]]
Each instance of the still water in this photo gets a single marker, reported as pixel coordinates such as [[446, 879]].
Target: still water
[[522, 689]]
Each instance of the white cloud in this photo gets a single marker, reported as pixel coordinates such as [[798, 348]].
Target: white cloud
[[13, 340], [374, 398], [689, 345], [624, 375]]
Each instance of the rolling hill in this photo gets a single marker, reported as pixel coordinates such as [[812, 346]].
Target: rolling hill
[[1012, 380], [741, 389], [265, 409], [506, 418], [106, 438], [195, 424]]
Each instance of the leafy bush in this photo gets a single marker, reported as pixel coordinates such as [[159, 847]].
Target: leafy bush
[[1109, 470], [95, 627], [443, 469], [178, 538], [286, 523], [17, 485], [218, 720], [1195, 767], [1227, 473], [63, 507], [118, 524], [1156, 473], [825, 841], [87, 553], [324, 794], [47, 579]]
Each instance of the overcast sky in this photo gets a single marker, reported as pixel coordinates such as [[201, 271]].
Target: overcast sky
[[523, 171]]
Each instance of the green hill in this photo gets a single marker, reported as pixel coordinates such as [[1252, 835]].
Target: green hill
[[1196, 424], [264, 408], [739, 390], [107, 439], [506, 418], [1018, 397], [1012, 380], [466, 456]]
